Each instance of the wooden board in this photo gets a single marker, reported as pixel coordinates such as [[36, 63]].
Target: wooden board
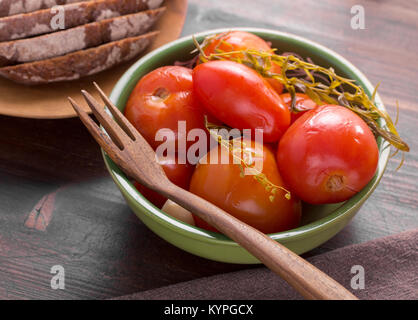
[[50, 101]]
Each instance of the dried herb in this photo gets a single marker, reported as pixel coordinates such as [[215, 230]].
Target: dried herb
[[236, 152], [322, 85]]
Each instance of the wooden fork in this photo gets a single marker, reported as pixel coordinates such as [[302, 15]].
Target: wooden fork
[[129, 150]]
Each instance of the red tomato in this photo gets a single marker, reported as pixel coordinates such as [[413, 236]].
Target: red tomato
[[161, 99], [328, 155], [241, 40], [179, 174], [241, 98], [303, 103], [244, 197]]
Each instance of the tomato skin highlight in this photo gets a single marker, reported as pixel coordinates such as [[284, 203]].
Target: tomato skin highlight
[[236, 40], [241, 98], [241, 40], [302, 103], [244, 197], [161, 99], [327, 155]]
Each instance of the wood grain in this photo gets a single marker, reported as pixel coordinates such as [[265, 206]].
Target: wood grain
[[105, 249]]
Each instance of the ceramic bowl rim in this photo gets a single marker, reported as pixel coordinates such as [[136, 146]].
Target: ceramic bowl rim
[[207, 236]]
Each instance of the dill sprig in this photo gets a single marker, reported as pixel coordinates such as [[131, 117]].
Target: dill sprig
[[245, 161], [353, 97]]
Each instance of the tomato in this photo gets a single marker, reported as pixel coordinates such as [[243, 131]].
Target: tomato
[[235, 40], [179, 174], [241, 98], [244, 197], [303, 103], [161, 99], [241, 40], [328, 155]]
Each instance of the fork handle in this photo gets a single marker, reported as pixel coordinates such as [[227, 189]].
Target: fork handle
[[309, 281]]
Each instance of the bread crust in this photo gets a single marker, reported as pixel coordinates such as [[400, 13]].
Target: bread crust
[[78, 64], [76, 14], [78, 38], [12, 7]]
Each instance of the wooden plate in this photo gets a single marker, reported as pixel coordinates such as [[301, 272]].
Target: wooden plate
[[50, 101]]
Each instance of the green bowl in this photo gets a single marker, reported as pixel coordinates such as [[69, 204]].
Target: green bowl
[[319, 223]]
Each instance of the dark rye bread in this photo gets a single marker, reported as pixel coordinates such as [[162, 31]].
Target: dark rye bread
[[78, 64], [78, 38], [12, 7], [76, 14]]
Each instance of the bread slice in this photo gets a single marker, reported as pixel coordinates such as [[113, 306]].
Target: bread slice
[[78, 64], [75, 14], [78, 38], [12, 7]]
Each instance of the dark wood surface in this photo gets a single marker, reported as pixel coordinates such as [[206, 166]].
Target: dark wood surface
[[59, 206]]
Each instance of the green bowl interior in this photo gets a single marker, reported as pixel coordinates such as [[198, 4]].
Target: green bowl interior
[[314, 217]]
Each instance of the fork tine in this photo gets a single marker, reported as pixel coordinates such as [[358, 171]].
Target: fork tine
[[102, 139], [120, 118], [111, 127]]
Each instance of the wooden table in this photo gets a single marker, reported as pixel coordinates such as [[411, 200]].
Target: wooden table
[[58, 205]]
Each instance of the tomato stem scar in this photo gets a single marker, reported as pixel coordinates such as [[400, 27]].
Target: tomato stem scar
[[335, 183], [161, 93]]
